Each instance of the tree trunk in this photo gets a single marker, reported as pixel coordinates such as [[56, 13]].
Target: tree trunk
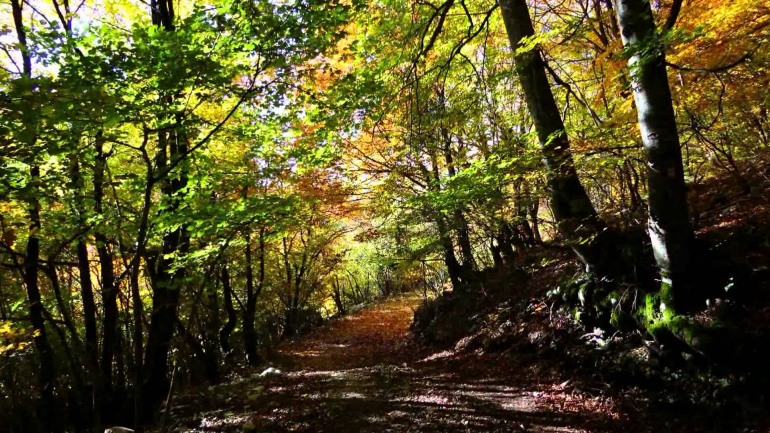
[[138, 334], [575, 215], [212, 326], [43, 347], [109, 291], [669, 223], [172, 145], [165, 301], [48, 410], [454, 268], [460, 222], [227, 329], [252, 292], [87, 297], [337, 296]]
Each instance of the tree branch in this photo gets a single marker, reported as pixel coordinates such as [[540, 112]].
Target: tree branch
[[673, 15], [722, 68]]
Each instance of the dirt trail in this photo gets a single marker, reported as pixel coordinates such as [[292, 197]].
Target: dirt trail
[[362, 374]]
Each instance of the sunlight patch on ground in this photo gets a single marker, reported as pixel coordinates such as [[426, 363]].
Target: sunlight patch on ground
[[353, 373], [430, 398], [218, 421], [352, 395], [438, 355]]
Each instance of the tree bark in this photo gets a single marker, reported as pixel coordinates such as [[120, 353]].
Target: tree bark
[[669, 225]]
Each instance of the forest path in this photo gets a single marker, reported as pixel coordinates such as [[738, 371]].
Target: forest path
[[362, 373]]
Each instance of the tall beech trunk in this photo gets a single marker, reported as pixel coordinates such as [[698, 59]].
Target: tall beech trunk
[[43, 347], [575, 215], [48, 410], [669, 223]]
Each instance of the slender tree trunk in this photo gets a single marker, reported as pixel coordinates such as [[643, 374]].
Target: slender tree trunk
[[89, 305], [460, 222], [138, 337], [575, 215], [337, 296], [166, 292], [232, 318], [109, 291], [48, 410], [454, 268], [669, 222], [533, 210], [252, 293], [165, 301]]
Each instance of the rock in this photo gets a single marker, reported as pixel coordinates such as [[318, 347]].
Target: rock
[[118, 430]]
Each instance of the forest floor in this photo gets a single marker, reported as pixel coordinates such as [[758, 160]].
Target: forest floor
[[364, 373]]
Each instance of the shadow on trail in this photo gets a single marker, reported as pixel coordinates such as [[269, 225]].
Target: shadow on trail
[[362, 374]]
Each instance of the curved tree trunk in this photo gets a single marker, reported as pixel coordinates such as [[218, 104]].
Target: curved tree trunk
[[669, 223]]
